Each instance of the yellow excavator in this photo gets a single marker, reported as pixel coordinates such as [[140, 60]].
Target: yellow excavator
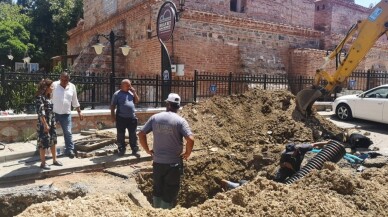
[[368, 32]]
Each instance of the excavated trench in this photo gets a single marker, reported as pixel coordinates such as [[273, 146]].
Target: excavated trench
[[203, 172]]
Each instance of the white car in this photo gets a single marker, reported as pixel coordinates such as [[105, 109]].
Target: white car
[[370, 105]]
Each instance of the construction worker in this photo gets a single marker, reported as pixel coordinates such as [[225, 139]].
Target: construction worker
[[168, 129], [292, 158]]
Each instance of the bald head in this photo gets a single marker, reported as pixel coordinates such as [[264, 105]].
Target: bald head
[[125, 85]]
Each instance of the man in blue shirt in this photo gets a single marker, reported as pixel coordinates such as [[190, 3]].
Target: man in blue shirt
[[124, 100], [168, 129]]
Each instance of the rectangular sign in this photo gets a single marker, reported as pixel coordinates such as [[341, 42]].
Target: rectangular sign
[[376, 13]]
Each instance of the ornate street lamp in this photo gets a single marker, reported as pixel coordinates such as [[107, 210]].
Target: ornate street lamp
[[98, 48]]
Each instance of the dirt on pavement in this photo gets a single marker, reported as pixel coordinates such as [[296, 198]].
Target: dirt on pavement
[[241, 137]]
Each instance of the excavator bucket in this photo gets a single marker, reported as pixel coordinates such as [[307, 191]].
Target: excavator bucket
[[306, 98]]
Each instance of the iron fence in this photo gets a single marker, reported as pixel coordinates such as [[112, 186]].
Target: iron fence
[[17, 89]]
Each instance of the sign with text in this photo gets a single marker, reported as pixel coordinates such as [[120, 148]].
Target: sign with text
[[166, 21]]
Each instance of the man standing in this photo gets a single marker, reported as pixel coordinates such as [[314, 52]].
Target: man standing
[[64, 97], [125, 116], [168, 130], [292, 158]]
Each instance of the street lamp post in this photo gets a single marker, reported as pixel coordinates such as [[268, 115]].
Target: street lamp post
[[98, 48]]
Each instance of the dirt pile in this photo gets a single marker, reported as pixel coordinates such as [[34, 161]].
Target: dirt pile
[[241, 137], [255, 117]]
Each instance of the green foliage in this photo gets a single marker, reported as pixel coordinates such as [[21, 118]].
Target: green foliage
[[6, 1], [51, 19], [18, 95], [13, 33], [39, 26], [9, 12]]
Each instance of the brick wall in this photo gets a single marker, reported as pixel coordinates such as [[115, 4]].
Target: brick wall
[[210, 42], [345, 14], [211, 38], [307, 61], [202, 41]]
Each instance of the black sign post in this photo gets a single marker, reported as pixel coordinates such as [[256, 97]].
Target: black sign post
[[167, 17]]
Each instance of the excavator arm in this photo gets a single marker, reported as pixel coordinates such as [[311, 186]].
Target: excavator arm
[[368, 32]]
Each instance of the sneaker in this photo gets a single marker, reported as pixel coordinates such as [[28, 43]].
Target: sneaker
[[57, 163], [45, 166]]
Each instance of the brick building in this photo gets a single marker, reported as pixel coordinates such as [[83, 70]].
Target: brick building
[[249, 36]]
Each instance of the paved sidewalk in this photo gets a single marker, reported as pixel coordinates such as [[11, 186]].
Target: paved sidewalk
[[19, 150], [28, 168]]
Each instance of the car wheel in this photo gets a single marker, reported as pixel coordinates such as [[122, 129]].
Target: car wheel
[[343, 112]]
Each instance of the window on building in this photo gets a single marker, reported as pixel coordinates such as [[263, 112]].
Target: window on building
[[318, 8], [323, 7], [238, 5]]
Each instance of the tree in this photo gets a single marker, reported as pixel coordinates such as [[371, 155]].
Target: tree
[[51, 19], [6, 1], [13, 33]]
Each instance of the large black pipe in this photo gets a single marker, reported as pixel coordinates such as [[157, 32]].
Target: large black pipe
[[333, 152]]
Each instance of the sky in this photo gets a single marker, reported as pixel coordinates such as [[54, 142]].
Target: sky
[[366, 3]]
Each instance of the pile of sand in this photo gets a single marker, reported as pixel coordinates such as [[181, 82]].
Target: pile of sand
[[241, 137]]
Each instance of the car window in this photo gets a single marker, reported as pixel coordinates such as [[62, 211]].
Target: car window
[[378, 93]]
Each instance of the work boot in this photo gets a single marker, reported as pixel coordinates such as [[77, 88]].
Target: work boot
[[156, 202], [165, 205]]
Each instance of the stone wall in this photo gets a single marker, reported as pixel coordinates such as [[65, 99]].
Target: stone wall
[[16, 128], [291, 12]]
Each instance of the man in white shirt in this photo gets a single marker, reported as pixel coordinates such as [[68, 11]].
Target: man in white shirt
[[64, 97]]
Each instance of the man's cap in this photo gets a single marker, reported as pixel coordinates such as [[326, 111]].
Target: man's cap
[[174, 98]]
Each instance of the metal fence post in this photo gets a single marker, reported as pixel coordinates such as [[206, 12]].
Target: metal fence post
[[368, 80], [93, 90], [195, 85], [3, 88], [157, 91], [230, 84], [265, 81], [300, 82]]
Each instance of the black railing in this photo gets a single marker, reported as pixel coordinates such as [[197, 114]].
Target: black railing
[[17, 89]]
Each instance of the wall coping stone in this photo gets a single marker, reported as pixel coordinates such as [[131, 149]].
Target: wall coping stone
[[86, 113]]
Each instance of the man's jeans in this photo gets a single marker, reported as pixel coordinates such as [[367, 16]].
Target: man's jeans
[[65, 122], [123, 124]]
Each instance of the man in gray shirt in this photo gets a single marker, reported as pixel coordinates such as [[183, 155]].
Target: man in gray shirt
[[125, 117], [168, 129]]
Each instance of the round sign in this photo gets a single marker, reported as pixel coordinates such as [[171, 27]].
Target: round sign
[[166, 21]]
